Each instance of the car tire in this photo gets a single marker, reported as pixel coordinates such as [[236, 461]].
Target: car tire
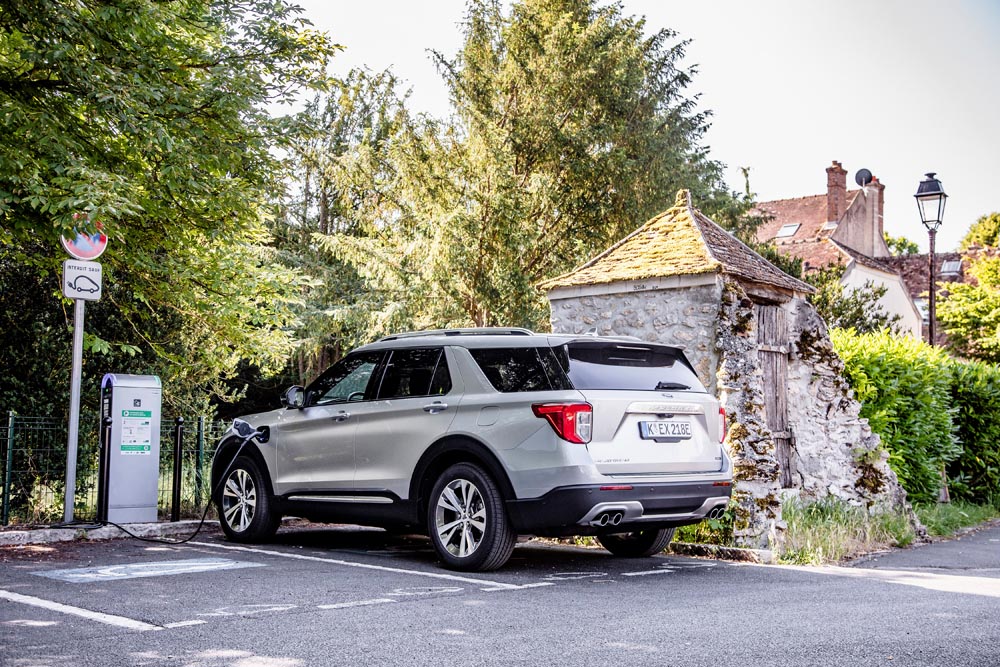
[[637, 544], [246, 509], [467, 520]]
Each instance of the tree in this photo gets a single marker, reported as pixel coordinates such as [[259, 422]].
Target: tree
[[970, 313], [984, 232], [150, 118], [571, 127], [900, 245], [857, 309]]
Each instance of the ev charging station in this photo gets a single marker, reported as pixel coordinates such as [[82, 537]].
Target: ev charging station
[[130, 448]]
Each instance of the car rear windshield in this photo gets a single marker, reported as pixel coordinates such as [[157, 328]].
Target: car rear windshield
[[606, 365]]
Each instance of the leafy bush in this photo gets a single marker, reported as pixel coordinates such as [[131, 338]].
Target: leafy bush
[[975, 391], [904, 386]]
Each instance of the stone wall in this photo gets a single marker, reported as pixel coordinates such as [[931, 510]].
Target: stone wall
[[684, 317], [836, 452]]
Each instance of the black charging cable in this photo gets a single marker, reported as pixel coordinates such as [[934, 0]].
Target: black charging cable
[[161, 540]]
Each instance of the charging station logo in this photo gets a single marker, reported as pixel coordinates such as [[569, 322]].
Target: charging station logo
[[136, 402]]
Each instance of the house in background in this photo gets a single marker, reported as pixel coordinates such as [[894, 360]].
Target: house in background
[[843, 228]]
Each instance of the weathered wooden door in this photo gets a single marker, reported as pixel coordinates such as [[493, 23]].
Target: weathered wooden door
[[772, 341]]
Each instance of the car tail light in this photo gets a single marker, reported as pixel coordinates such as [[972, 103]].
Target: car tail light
[[722, 424], [572, 422]]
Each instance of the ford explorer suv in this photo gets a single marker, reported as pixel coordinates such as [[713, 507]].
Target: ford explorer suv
[[476, 436]]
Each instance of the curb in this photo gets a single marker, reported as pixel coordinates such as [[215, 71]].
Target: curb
[[11, 538], [764, 556]]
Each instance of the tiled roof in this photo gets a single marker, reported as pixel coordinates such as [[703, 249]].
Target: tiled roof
[[873, 262], [679, 241], [916, 273], [815, 253], [809, 212]]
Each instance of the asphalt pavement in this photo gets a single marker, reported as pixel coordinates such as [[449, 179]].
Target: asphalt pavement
[[324, 595]]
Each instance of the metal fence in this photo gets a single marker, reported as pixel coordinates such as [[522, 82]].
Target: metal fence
[[33, 465]]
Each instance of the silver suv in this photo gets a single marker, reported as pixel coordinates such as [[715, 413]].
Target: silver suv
[[474, 436]]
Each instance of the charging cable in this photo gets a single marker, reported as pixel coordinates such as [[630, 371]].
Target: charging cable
[[242, 427]]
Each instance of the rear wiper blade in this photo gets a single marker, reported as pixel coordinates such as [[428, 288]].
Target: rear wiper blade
[[671, 385]]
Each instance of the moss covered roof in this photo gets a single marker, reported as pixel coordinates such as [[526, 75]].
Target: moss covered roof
[[679, 241]]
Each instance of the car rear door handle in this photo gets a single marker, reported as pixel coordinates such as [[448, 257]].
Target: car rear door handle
[[342, 416], [435, 407]]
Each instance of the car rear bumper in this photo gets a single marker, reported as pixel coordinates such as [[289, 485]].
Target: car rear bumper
[[592, 509]]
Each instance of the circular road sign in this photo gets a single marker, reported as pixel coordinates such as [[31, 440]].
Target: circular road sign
[[86, 247]]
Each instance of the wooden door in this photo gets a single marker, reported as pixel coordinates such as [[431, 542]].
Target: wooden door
[[772, 343]]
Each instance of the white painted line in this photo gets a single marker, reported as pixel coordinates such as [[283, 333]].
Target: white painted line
[[645, 572], [184, 624], [949, 583], [358, 603], [519, 587], [109, 619], [492, 585]]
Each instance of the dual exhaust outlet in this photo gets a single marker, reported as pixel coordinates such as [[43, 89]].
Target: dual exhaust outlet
[[717, 512], [608, 519]]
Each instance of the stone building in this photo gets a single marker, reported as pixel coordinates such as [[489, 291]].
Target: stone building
[[794, 428]]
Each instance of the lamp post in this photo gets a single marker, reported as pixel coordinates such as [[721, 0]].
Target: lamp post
[[930, 200]]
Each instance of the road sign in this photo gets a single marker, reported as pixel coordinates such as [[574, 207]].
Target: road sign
[[86, 247], [82, 280]]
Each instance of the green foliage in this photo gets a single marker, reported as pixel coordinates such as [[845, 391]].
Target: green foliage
[[984, 232], [150, 118], [710, 531], [857, 309], [900, 245], [946, 519], [571, 127], [830, 530], [970, 314], [975, 390], [904, 386]]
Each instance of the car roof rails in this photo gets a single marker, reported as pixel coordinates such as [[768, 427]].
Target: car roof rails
[[470, 331]]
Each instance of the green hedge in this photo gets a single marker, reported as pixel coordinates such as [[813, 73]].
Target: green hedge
[[975, 475], [904, 386]]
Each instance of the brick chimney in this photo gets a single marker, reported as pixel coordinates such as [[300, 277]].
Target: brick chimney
[[836, 191], [877, 190]]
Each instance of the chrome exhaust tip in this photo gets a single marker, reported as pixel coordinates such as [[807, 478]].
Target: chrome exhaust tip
[[616, 518]]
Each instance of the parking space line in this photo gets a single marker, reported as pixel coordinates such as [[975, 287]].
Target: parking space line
[[109, 619], [357, 603], [490, 585], [184, 624]]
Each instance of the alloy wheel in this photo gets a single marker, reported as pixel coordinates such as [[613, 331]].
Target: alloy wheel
[[239, 500], [460, 518]]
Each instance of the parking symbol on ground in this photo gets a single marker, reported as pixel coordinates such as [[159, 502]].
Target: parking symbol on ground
[[107, 573]]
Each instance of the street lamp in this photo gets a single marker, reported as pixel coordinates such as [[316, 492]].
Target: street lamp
[[930, 200]]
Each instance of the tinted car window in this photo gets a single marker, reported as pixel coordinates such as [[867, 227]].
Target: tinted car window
[[345, 380], [521, 369], [411, 372], [602, 365]]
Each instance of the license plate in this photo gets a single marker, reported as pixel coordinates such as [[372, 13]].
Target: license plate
[[673, 428]]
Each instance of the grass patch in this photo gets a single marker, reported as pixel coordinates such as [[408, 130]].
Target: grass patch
[[944, 519], [830, 530]]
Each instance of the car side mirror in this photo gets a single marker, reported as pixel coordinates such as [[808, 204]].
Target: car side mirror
[[295, 397]]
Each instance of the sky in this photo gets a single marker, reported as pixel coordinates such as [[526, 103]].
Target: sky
[[898, 87]]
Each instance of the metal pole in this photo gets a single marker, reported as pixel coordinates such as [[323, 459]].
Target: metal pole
[[74, 409], [175, 505], [8, 473], [931, 289], [200, 460]]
